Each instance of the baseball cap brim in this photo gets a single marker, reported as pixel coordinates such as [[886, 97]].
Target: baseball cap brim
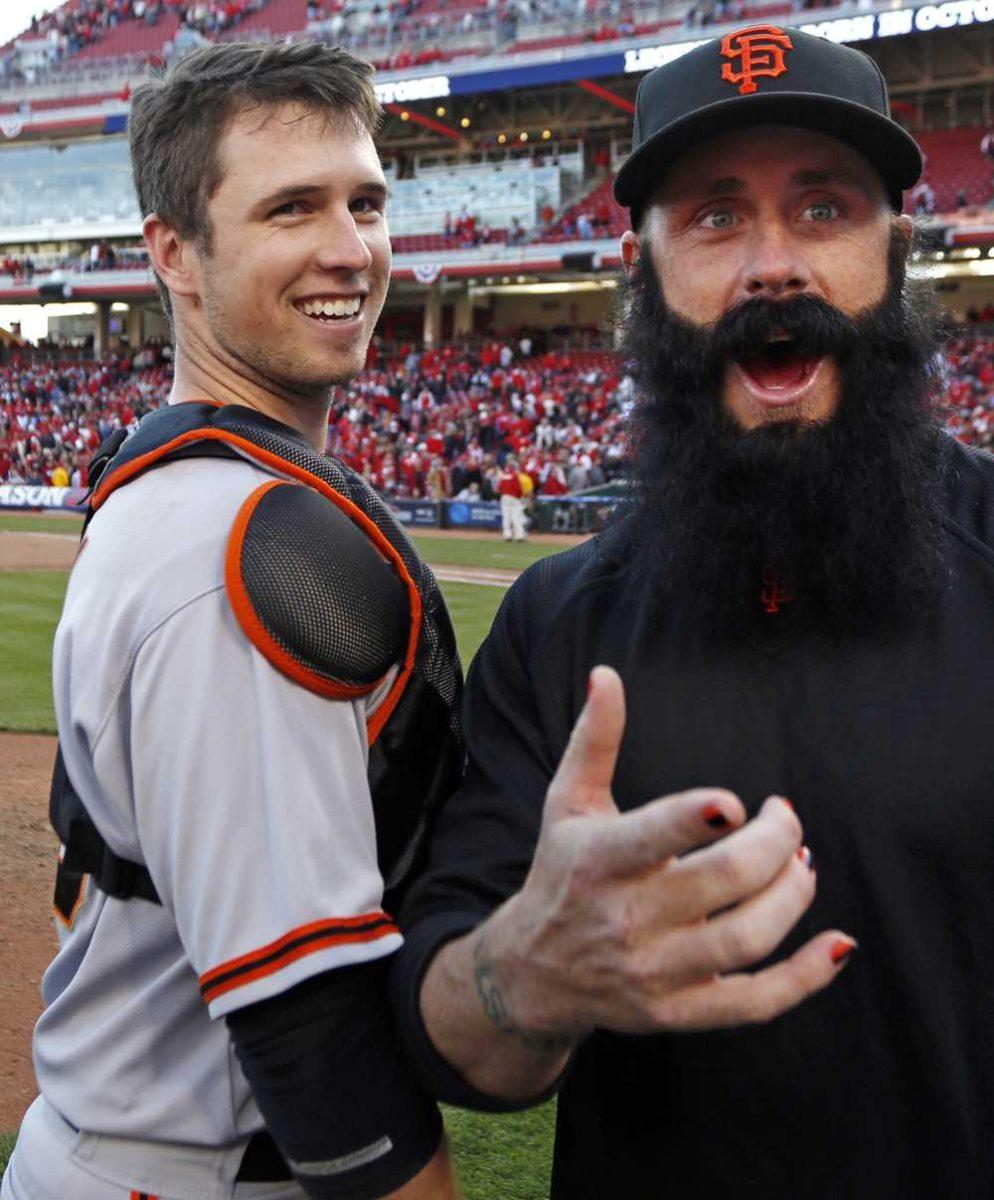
[[890, 150]]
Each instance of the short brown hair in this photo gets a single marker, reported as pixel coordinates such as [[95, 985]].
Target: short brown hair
[[177, 121]]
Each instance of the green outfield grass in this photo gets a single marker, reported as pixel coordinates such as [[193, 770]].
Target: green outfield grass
[[489, 551], [30, 602], [498, 1157], [40, 523], [472, 610], [507, 1157]]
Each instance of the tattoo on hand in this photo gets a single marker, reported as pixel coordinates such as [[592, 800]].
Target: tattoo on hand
[[496, 1008]]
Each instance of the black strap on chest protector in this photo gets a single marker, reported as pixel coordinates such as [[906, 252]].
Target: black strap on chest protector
[[416, 760]]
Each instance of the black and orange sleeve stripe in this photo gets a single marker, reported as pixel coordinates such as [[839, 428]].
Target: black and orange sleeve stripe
[[307, 939]]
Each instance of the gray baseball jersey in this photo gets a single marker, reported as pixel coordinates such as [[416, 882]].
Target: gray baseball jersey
[[243, 793]]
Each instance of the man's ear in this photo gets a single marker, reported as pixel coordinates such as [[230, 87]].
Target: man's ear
[[630, 247], [904, 229], [173, 258]]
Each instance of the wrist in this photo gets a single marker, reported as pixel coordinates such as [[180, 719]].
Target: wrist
[[517, 996]]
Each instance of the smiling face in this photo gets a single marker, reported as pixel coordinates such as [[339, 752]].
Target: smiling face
[[772, 213], [299, 259]]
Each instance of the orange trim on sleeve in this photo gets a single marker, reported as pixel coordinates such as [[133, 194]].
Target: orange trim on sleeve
[[249, 620], [299, 942], [375, 723]]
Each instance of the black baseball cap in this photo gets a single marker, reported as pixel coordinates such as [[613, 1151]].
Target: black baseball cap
[[764, 75]]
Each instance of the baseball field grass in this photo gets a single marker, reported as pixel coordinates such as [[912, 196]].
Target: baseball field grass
[[498, 1157]]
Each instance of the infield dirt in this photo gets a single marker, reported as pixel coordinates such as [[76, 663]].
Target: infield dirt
[[28, 850]]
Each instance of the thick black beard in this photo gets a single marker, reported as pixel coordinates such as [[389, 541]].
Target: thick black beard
[[833, 526]]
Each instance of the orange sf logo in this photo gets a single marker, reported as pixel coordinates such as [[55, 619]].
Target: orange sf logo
[[760, 49]]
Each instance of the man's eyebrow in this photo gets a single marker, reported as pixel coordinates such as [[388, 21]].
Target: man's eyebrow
[[840, 175], [726, 185], [731, 185], [374, 187], [296, 191]]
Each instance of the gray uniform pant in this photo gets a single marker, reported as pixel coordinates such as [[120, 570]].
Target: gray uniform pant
[[512, 516], [54, 1161]]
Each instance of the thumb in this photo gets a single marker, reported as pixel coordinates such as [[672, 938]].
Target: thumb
[[582, 782]]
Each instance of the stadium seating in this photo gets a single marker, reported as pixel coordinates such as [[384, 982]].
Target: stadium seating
[[955, 168], [90, 181], [132, 38], [278, 18], [494, 193], [603, 33], [607, 218], [83, 183], [417, 422]]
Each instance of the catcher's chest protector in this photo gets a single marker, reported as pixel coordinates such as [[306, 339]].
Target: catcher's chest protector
[[362, 603]]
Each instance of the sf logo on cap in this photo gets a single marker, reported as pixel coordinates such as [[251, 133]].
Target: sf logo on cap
[[760, 50]]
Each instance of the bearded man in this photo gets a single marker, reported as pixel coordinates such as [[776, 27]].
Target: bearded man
[[798, 603]]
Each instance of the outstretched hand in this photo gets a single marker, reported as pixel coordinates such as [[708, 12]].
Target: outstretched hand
[[645, 920]]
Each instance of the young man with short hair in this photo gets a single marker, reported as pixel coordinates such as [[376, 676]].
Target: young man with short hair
[[255, 683]]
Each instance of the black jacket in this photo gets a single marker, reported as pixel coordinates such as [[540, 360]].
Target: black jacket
[[883, 1085]]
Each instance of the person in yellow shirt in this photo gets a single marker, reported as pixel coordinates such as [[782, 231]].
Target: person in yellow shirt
[[60, 476]]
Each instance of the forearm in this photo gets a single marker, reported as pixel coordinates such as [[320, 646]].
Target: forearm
[[325, 1068], [471, 1014]]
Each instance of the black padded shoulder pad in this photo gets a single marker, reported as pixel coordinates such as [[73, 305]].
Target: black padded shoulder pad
[[313, 593]]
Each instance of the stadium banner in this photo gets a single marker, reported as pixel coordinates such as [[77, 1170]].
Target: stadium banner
[[896, 21], [420, 513], [537, 74], [470, 514], [30, 495]]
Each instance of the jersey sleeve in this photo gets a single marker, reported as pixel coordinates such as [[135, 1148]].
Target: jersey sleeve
[[253, 811]]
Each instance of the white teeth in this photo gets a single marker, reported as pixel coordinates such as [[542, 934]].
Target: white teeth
[[332, 308]]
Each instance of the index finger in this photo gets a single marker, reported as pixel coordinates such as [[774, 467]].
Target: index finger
[[648, 836]]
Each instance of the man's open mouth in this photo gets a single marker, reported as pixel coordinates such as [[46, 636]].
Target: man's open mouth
[[781, 364], [330, 308]]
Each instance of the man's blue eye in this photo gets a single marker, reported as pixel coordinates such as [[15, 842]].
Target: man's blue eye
[[822, 211], [720, 218]]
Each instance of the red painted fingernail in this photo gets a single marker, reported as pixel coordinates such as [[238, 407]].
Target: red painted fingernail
[[714, 817], [590, 685], [788, 803], [841, 950], [806, 857]]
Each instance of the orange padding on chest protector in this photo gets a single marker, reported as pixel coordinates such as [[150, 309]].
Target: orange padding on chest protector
[[376, 722]]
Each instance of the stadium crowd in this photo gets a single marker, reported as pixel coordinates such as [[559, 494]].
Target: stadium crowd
[[970, 390], [430, 423], [53, 415], [73, 27], [419, 423]]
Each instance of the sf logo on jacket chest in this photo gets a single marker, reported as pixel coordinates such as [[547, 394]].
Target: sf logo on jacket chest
[[761, 53]]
